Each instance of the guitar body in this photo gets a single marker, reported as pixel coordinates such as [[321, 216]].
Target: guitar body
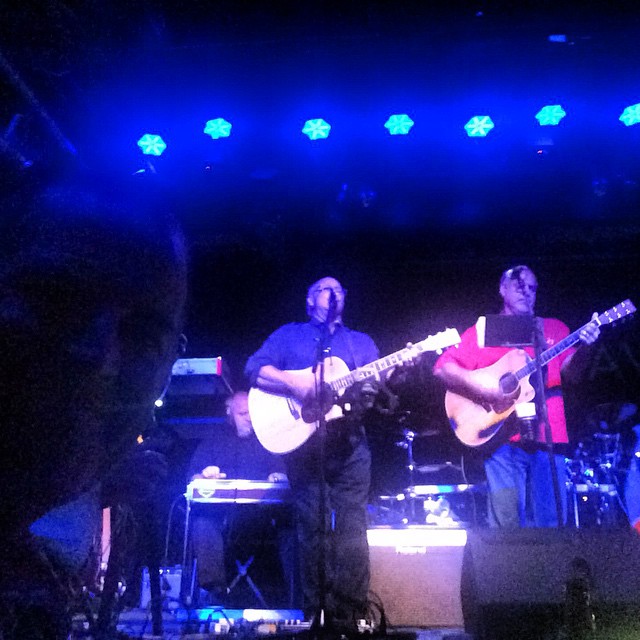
[[473, 423], [280, 422]]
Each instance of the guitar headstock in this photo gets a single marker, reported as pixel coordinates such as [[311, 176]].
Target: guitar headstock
[[625, 308], [442, 340]]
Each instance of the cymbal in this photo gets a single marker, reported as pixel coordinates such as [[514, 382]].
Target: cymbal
[[427, 433], [434, 468], [421, 433], [610, 414]]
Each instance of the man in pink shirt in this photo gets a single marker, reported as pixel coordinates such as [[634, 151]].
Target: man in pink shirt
[[520, 486]]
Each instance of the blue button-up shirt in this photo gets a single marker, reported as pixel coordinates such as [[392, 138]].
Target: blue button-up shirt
[[295, 346]]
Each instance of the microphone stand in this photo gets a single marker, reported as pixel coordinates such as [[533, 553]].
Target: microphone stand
[[319, 627], [541, 412]]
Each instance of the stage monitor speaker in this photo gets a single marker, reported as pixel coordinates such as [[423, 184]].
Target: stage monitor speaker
[[516, 581]]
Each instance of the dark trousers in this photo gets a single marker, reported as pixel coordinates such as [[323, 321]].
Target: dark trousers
[[221, 534], [346, 551]]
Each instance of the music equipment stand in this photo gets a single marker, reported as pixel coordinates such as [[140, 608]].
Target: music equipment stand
[[243, 573], [505, 331]]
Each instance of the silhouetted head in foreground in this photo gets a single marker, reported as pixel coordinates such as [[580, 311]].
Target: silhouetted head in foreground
[[92, 297]]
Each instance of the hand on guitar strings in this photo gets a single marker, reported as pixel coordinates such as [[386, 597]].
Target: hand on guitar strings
[[498, 395], [399, 374], [366, 395]]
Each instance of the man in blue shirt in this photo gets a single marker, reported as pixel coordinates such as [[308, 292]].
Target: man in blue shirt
[[275, 368]]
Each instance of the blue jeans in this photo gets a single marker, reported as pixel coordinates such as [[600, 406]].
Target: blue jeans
[[521, 488]]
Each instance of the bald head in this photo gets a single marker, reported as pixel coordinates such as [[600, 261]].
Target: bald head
[[518, 288], [319, 299], [238, 412]]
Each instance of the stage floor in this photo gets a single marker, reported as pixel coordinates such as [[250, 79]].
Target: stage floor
[[252, 623]]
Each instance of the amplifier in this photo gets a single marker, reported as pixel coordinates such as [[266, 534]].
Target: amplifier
[[197, 389], [416, 574]]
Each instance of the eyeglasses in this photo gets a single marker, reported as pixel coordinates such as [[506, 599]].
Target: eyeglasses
[[339, 291]]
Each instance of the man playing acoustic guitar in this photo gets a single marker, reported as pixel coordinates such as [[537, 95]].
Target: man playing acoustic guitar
[[520, 486], [347, 457]]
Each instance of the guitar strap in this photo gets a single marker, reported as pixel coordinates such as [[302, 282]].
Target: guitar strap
[[352, 351]]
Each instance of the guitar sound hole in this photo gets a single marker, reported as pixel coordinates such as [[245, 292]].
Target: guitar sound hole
[[311, 412], [508, 383]]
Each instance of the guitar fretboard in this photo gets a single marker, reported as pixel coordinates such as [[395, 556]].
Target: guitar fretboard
[[622, 310], [368, 371], [432, 343]]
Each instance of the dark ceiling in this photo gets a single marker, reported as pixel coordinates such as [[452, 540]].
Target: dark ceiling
[[418, 228]]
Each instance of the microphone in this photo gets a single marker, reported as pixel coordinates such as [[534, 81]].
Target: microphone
[[333, 305]]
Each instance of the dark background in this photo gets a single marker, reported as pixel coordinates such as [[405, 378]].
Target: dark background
[[418, 228]]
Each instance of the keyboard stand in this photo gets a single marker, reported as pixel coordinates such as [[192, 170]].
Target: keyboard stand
[[243, 573]]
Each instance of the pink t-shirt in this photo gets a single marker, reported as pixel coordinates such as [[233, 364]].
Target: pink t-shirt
[[469, 355]]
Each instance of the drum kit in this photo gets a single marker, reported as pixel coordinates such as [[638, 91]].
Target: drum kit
[[436, 493], [596, 472]]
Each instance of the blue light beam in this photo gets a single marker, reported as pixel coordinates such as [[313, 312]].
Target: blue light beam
[[631, 115], [399, 124], [316, 129], [479, 126], [550, 115], [218, 128], [152, 145]]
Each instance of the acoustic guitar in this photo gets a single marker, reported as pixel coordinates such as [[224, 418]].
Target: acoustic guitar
[[282, 423], [474, 423]]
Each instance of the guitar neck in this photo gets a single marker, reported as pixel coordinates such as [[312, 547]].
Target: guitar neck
[[549, 354], [622, 310], [373, 369], [368, 371]]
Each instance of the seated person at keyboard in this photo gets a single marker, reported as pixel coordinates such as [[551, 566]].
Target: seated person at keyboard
[[233, 452]]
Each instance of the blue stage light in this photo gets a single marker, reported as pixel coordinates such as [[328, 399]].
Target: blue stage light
[[550, 115], [479, 126], [152, 145], [631, 115], [399, 124], [316, 129], [218, 128]]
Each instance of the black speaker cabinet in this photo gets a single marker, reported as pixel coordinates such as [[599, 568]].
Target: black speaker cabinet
[[515, 582]]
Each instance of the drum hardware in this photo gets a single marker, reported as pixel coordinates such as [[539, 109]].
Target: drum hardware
[[409, 435], [407, 443], [596, 460], [440, 504], [434, 468], [390, 511], [593, 480]]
